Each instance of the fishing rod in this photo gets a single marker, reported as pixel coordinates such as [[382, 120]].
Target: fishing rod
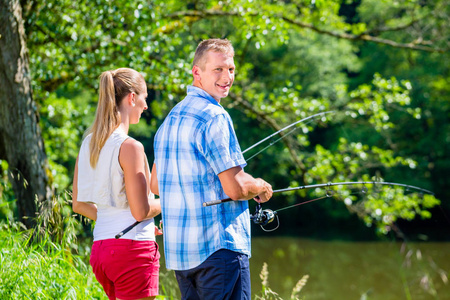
[[284, 128], [263, 217], [120, 234], [321, 185]]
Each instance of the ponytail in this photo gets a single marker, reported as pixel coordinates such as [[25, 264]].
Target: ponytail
[[114, 86]]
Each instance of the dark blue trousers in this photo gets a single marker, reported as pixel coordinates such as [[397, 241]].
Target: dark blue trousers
[[223, 275]]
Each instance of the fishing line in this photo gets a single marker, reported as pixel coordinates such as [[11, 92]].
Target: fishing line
[[266, 216], [328, 195], [301, 203], [277, 140], [445, 215]]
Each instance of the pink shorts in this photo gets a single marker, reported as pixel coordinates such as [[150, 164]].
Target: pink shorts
[[126, 269]]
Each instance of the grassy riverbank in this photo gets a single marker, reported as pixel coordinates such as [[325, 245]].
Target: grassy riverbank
[[51, 261], [42, 269], [36, 266]]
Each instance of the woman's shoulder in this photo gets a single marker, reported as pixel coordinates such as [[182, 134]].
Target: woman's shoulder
[[87, 138], [131, 146], [131, 154]]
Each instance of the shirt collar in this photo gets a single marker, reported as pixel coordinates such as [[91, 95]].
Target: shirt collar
[[198, 92]]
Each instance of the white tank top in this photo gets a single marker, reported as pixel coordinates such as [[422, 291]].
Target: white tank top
[[104, 186]]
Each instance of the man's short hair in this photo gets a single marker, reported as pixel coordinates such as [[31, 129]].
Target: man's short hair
[[217, 45]]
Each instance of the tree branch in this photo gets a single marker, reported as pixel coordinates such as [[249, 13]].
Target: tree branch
[[365, 37], [397, 28], [342, 35]]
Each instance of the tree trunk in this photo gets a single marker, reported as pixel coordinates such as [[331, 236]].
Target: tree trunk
[[21, 143]]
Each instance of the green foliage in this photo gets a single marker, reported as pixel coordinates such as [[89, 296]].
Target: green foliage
[[168, 286], [63, 123], [380, 100], [429, 19], [44, 267], [387, 207], [49, 262], [379, 65], [41, 263], [56, 223], [7, 198]]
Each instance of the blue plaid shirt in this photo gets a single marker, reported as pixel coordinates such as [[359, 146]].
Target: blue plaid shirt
[[195, 143]]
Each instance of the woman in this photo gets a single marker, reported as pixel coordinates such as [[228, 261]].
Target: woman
[[111, 187]]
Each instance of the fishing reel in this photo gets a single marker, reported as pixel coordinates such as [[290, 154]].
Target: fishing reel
[[263, 217]]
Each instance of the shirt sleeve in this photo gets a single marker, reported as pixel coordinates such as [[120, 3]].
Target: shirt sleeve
[[222, 150]]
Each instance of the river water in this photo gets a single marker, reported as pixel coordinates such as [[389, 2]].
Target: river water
[[353, 270], [350, 270]]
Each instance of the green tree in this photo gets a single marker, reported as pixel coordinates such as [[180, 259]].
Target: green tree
[[294, 58], [21, 143]]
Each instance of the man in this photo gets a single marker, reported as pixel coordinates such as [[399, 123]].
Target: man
[[198, 159]]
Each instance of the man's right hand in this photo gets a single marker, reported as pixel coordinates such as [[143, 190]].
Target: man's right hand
[[267, 192]]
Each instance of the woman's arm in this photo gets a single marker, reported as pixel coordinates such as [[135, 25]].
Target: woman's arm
[[132, 160], [88, 210], [154, 181]]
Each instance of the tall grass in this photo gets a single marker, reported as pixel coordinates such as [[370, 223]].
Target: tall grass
[[42, 270], [268, 294], [47, 262], [42, 263]]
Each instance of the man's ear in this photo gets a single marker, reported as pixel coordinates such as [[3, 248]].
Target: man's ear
[[196, 72]]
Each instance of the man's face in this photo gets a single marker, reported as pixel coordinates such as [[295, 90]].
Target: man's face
[[217, 74]]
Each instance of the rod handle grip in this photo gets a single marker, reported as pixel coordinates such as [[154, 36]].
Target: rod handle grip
[[215, 202], [120, 234]]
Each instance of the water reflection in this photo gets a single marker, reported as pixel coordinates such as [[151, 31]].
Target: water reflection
[[353, 270], [345, 270]]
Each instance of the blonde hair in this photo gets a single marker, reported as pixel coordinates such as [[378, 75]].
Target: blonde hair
[[217, 45], [115, 85]]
